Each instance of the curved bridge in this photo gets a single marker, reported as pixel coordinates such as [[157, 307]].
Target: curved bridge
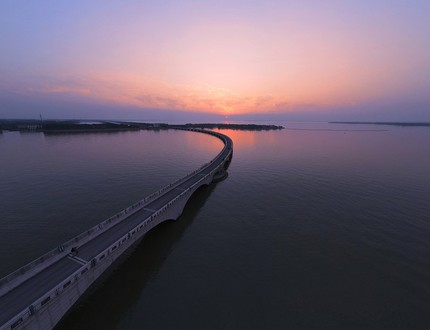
[[37, 295]]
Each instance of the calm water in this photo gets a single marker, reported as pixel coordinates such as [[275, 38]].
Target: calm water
[[313, 229]]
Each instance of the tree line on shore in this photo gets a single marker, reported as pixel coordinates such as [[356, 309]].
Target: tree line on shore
[[52, 126]]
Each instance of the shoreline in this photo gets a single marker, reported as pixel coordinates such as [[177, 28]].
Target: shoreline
[[75, 126], [405, 124]]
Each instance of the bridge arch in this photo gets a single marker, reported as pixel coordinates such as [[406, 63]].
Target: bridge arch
[[98, 248]]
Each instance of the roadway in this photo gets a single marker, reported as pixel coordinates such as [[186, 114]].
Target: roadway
[[21, 297]]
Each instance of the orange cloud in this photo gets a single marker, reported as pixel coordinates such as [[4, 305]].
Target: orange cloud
[[135, 91]]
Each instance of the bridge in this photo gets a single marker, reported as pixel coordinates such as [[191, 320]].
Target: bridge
[[37, 295]]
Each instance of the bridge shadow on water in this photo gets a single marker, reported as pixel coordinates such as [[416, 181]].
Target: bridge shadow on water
[[115, 292]]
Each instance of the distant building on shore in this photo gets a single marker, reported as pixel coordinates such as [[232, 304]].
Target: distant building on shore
[[29, 127]]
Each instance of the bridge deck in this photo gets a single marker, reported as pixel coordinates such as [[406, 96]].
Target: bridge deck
[[21, 297]]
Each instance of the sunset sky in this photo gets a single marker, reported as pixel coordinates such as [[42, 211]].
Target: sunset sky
[[299, 60]]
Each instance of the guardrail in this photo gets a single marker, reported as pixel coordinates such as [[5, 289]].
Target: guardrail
[[58, 289], [52, 256]]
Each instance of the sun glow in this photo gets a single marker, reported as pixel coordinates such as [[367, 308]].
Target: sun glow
[[225, 60]]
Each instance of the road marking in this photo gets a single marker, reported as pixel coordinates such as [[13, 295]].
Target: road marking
[[150, 210], [77, 259]]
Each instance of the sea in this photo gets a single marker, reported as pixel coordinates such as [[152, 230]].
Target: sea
[[317, 226]]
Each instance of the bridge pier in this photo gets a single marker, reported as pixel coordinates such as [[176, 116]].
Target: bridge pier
[[98, 249]]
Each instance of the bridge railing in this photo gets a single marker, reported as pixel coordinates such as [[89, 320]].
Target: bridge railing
[[10, 281], [51, 294]]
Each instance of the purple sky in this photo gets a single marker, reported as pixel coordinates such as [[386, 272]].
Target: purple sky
[[207, 60]]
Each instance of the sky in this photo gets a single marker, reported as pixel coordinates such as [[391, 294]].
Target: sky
[[213, 60]]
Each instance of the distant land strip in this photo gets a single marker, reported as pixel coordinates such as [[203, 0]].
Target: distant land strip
[[381, 123], [94, 126], [335, 130]]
